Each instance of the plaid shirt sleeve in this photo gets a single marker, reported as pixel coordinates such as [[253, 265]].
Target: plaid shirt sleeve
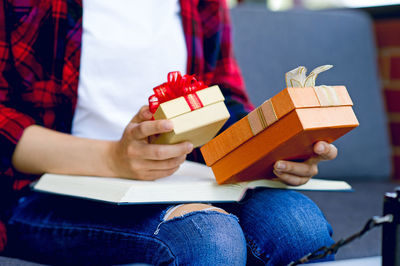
[[12, 122], [39, 66]]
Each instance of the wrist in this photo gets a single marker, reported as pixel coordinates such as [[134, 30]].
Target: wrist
[[110, 158]]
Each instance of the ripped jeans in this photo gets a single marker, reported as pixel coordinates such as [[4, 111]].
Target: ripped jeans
[[270, 227]]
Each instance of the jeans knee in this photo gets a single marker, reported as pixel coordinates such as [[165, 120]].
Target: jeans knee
[[205, 238], [289, 226], [182, 209], [306, 233]]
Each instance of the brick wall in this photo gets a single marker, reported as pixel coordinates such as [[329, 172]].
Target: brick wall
[[388, 41]]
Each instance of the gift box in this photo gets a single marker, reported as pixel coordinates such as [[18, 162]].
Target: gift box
[[284, 127], [198, 112]]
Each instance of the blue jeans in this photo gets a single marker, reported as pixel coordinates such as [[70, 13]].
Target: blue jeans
[[271, 227]]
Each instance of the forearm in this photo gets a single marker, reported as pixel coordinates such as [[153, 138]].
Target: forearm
[[43, 150]]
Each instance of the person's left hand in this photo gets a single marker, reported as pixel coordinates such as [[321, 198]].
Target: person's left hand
[[295, 173]]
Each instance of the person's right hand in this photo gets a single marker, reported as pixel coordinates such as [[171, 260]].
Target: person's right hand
[[134, 157]]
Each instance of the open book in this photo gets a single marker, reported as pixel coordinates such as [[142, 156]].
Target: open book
[[193, 182]]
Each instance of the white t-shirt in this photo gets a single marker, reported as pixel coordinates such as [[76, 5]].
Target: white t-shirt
[[128, 47]]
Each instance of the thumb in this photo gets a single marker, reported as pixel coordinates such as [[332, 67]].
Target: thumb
[[143, 114]]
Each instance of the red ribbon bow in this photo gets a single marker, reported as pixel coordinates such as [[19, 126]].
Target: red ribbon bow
[[177, 86]]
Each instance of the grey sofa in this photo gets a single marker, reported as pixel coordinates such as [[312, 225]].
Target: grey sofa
[[269, 44]]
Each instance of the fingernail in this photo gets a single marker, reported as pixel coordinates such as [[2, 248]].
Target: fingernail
[[168, 125], [280, 166], [320, 148]]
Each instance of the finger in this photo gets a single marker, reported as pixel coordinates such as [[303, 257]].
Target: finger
[[324, 152], [144, 114], [148, 128], [290, 179], [157, 174], [164, 164], [297, 169], [164, 152]]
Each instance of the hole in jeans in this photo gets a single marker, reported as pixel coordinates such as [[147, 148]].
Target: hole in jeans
[[182, 209]]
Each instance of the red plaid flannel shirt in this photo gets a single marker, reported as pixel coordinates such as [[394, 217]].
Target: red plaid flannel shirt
[[40, 46]]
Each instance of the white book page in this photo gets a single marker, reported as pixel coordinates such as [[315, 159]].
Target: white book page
[[193, 182]]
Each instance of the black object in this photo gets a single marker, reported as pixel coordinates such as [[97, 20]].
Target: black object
[[391, 231]]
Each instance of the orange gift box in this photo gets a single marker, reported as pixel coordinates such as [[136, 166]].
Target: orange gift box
[[284, 127]]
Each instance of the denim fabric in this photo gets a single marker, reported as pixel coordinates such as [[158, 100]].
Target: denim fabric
[[274, 228], [282, 225]]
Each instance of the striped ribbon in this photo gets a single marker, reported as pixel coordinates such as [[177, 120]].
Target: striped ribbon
[[262, 117]]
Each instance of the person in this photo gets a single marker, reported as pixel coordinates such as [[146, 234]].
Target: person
[[71, 79]]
